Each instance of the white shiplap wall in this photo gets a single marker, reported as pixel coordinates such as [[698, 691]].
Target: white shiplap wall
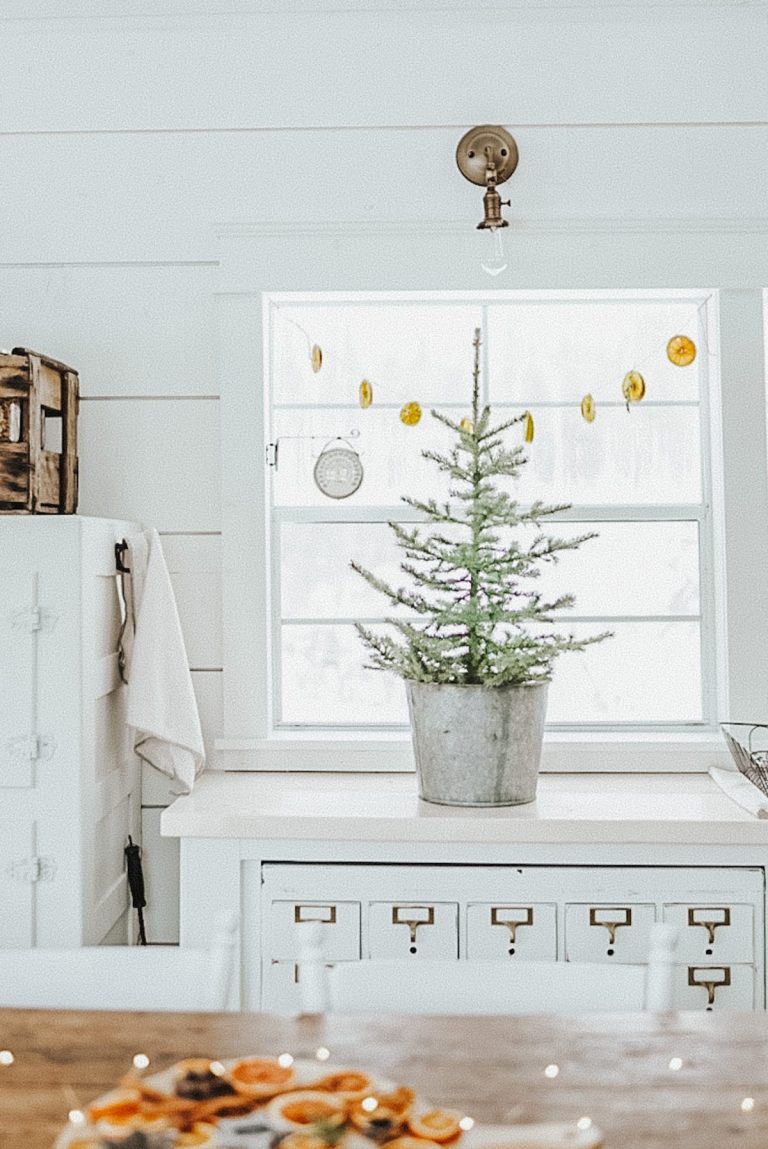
[[127, 134]]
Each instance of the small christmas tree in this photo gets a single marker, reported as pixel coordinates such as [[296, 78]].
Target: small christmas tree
[[472, 586]]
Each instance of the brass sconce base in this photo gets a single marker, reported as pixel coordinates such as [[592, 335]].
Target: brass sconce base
[[482, 147]]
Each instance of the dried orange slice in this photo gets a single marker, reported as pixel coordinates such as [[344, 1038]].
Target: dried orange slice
[[529, 428], [439, 1125], [201, 1133], [633, 387], [260, 1077], [410, 414], [116, 1107], [316, 357], [681, 350], [467, 425], [365, 391], [303, 1108], [588, 409], [391, 1109], [349, 1084], [411, 1143], [303, 1141]]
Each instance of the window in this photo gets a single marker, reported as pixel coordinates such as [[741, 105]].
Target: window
[[640, 476]]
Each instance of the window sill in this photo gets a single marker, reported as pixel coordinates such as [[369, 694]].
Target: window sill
[[563, 753]]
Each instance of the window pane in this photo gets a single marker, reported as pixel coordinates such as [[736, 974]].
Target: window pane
[[649, 455], [390, 454], [324, 680], [648, 672], [562, 350], [407, 351], [631, 568]]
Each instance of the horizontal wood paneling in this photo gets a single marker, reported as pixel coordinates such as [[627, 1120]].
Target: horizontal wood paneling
[[152, 197], [194, 564], [154, 461], [240, 70], [127, 330]]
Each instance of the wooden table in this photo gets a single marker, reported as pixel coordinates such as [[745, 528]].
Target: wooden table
[[612, 1068]]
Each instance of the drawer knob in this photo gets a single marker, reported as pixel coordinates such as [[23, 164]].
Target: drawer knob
[[610, 919], [714, 918], [512, 918], [711, 979], [416, 916]]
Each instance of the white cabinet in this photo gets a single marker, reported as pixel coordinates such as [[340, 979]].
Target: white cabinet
[[69, 783], [571, 913]]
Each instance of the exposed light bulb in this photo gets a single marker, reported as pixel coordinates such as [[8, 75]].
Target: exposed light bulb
[[496, 261]]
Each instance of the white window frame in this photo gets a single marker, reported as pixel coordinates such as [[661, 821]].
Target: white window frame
[[703, 513], [266, 257]]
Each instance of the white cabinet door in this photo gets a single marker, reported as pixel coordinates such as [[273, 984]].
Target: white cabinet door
[[18, 644], [340, 939], [16, 884], [526, 932], [604, 933], [407, 929]]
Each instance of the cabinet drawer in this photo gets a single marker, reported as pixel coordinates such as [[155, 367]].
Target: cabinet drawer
[[713, 933], [413, 929], [603, 932], [341, 928], [281, 988], [496, 931], [714, 987]]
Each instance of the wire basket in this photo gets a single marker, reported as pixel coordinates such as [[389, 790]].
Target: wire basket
[[752, 762]]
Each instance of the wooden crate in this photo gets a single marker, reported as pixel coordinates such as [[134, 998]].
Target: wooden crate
[[39, 400]]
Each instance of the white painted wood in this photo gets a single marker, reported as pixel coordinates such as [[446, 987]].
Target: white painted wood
[[84, 795], [425, 929], [651, 809], [158, 320], [488, 937], [205, 61], [588, 941], [18, 676], [122, 977], [739, 995], [194, 564], [734, 932], [127, 467], [160, 861], [286, 919], [17, 847], [207, 685]]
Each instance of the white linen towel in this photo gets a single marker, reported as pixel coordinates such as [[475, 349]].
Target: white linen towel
[[162, 709], [741, 791]]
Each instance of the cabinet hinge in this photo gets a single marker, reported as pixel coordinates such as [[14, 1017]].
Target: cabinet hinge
[[31, 747], [34, 618], [32, 870], [270, 452]]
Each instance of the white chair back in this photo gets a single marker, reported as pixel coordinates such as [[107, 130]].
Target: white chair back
[[487, 987], [123, 977]]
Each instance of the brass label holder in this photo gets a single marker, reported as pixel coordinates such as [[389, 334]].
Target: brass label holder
[[510, 922], [326, 914], [709, 982], [598, 916], [413, 920], [709, 922]]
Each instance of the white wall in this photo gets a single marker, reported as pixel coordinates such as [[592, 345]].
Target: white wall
[[125, 136]]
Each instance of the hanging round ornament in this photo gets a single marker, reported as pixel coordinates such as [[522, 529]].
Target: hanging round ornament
[[410, 414], [316, 357], [588, 411], [529, 427], [365, 393], [338, 470], [633, 387], [467, 425], [681, 350]]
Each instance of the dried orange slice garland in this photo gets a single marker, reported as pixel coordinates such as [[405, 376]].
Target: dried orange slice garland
[[314, 1114]]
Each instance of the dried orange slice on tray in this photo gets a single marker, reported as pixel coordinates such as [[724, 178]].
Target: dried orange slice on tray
[[439, 1125], [305, 1108], [350, 1084], [260, 1077]]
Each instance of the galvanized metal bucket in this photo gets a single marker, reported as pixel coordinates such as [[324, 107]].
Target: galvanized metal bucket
[[477, 745]]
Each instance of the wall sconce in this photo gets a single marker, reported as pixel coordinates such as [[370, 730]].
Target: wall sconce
[[488, 156]]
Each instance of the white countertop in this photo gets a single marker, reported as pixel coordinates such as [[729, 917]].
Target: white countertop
[[588, 808]]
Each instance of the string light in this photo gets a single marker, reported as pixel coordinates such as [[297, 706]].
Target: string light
[[552, 1071], [322, 1054], [285, 1060], [584, 1123], [217, 1069], [140, 1061], [76, 1117], [369, 1104], [6, 1057], [747, 1105], [676, 1063], [467, 1123]]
